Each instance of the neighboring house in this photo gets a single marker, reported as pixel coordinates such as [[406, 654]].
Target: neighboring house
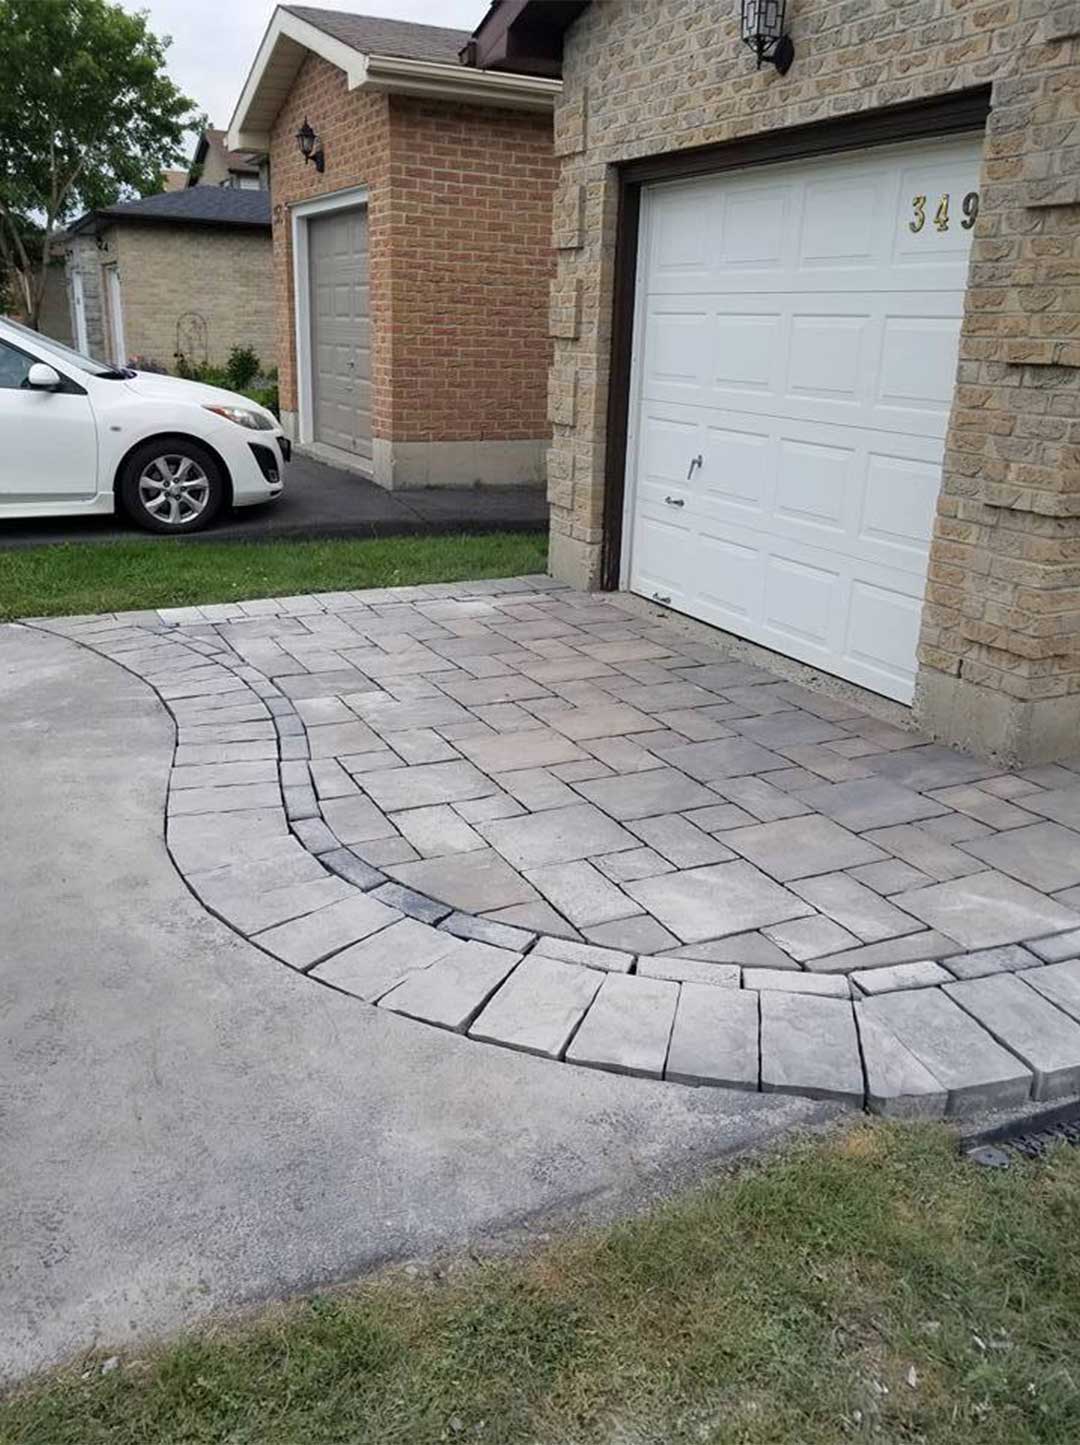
[[782, 402], [215, 165], [174, 180], [181, 273], [412, 253]]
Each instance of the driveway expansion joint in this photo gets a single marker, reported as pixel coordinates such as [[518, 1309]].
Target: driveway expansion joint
[[552, 823]]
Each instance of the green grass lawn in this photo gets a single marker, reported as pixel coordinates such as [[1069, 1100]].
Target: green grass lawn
[[870, 1287], [114, 576]]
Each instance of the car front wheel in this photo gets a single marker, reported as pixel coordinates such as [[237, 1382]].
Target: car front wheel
[[172, 485]]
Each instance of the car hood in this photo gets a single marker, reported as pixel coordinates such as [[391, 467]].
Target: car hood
[[174, 388]]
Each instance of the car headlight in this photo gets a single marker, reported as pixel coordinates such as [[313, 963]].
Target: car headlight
[[253, 420]]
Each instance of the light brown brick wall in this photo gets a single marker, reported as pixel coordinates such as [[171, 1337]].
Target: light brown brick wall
[[167, 271], [643, 77], [459, 205]]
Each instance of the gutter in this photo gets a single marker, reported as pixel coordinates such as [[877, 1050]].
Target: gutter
[[442, 81]]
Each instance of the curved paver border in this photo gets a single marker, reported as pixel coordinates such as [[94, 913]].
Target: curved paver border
[[251, 835]]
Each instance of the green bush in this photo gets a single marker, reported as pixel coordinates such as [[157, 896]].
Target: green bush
[[242, 368]]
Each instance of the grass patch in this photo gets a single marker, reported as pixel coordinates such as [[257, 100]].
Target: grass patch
[[873, 1286], [76, 578]]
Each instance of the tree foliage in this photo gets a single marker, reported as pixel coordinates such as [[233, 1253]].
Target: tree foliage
[[88, 115]]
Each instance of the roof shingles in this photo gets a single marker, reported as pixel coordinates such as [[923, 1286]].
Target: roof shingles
[[197, 205], [372, 35]]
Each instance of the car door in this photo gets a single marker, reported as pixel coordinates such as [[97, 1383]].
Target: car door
[[50, 437]]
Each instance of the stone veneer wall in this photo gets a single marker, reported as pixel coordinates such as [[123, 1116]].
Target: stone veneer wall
[[459, 215], [1000, 646]]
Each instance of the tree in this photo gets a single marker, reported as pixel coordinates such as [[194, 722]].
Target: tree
[[88, 115]]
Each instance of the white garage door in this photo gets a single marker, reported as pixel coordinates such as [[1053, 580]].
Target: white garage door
[[795, 356]]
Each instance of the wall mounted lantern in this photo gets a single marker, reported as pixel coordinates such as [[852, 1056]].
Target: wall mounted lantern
[[763, 31], [311, 146]]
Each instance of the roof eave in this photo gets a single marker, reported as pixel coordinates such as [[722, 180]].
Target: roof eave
[[289, 38]]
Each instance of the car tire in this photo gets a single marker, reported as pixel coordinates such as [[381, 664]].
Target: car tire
[[172, 485]]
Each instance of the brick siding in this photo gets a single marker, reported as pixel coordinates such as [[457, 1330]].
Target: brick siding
[[459, 223], [643, 77]]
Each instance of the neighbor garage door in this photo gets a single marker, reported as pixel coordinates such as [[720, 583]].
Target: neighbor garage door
[[795, 356], [341, 331]]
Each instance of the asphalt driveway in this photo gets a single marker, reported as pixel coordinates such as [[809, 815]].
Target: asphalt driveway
[[324, 501], [188, 1125]]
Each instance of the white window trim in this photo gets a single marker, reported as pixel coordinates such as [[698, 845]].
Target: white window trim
[[78, 296], [302, 213], [116, 313]]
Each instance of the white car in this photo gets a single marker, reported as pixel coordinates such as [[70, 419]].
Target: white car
[[82, 438]]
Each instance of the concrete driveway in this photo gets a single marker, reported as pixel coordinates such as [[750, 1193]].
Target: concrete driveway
[[187, 1126], [324, 501]]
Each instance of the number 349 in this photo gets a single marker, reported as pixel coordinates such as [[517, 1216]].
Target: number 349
[[969, 206]]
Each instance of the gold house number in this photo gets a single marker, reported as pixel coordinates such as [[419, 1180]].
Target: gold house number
[[969, 206]]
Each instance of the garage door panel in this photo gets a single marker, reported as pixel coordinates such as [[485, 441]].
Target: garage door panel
[[340, 330], [883, 633], [801, 602], [665, 547], [816, 486], [732, 579]]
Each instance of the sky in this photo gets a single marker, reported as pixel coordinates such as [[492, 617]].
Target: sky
[[214, 41]]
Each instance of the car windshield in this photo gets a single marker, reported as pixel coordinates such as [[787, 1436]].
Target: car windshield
[[66, 354]]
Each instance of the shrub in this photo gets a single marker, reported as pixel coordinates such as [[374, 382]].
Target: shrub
[[242, 367]]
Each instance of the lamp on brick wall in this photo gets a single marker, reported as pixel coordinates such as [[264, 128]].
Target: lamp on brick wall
[[311, 146], [763, 31]]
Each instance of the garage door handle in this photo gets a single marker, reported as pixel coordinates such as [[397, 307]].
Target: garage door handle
[[675, 501], [656, 597], [694, 462]]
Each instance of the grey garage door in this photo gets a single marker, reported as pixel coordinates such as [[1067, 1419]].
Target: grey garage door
[[341, 330]]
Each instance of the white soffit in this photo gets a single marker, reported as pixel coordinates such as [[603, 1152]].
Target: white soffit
[[290, 39]]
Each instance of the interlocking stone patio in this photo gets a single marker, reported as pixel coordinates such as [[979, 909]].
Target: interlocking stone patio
[[580, 827]]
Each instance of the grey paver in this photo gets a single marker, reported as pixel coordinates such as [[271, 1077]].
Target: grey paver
[[386, 714], [824, 985], [1007, 959], [1061, 804], [411, 903], [581, 893], [634, 863], [929, 766], [924, 852], [537, 917], [1061, 946], [923, 973], [1060, 983], [801, 847], [609, 720], [356, 819], [805, 939], [751, 949], [640, 934], [452, 991], [706, 903], [892, 876], [509, 752], [646, 794], [809, 1046], [871, 803], [995, 812], [689, 970], [719, 817], [317, 935], [898, 1086], [346, 864], [223, 800], [426, 784], [860, 910], [210, 840], [909, 949], [714, 1039], [1029, 1026], [722, 758], [679, 841], [628, 1027], [622, 755], [539, 1007], [987, 909], [437, 830], [335, 740], [316, 836], [250, 911], [977, 1072], [473, 882], [379, 963], [1045, 855], [588, 955], [537, 790], [789, 729], [485, 930], [557, 835], [224, 773]]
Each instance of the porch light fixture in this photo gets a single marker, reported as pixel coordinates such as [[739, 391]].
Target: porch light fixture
[[763, 31], [311, 146]]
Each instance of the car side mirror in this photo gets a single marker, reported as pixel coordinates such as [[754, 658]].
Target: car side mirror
[[42, 377]]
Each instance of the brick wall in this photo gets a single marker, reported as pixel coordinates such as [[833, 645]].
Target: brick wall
[[459, 202], [168, 271], [643, 77]]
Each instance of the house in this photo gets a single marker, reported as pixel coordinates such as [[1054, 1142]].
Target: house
[[817, 371], [215, 165], [412, 247], [180, 275]]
